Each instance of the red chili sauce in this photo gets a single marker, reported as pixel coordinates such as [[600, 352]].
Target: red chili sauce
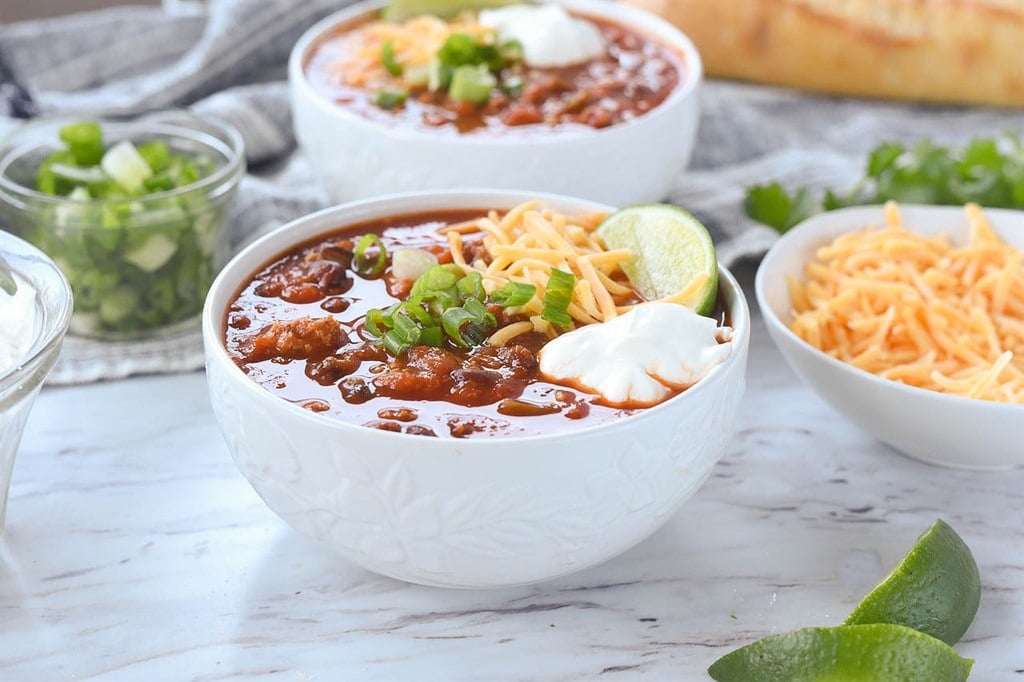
[[297, 330], [634, 76]]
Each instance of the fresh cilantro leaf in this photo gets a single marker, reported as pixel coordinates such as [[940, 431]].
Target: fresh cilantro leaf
[[987, 170], [774, 206], [883, 158]]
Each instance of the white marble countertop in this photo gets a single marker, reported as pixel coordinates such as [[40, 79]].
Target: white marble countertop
[[135, 551]]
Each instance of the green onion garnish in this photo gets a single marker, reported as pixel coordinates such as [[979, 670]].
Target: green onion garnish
[[439, 278], [85, 140], [471, 286], [432, 336], [366, 264], [392, 98], [557, 297], [459, 49], [387, 57], [469, 325], [511, 51], [472, 84], [513, 294]]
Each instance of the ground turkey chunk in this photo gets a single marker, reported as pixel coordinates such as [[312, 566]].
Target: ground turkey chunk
[[297, 339]]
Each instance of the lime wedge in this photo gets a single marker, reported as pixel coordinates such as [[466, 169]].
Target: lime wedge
[[670, 248], [935, 589], [851, 653], [400, 10]]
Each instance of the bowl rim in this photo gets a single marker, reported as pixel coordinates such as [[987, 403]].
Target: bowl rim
[[52, 334], [227, 174], [634, 18], [216, 351], [818, 230]]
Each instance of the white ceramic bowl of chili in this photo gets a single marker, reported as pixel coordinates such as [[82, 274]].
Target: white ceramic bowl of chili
[[631, 162], [468, 513], [937, 428]]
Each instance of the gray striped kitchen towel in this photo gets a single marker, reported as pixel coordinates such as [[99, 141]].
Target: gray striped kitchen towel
[[230, 62]]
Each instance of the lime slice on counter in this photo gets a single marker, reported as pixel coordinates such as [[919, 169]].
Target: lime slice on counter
[[935, 589], [400, 10], [851, 653], [670, 248]]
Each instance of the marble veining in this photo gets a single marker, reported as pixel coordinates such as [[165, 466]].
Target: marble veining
[[136, 551]]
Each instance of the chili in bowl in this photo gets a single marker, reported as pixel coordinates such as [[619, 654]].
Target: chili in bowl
[[471, 452], [545, 97]]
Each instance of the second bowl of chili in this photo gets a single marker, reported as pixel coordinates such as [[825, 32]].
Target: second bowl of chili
[[384, 105]]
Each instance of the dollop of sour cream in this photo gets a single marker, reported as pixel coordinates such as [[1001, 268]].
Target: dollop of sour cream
[[638, 359], [19, 323], [549, 35]]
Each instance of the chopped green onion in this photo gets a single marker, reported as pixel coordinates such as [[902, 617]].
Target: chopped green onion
[[467, 326], [414, 309], [438, 301], [158, 155], [513, 86], [376, 323], [85, 140], [123, 163], [417, 76], [472, 84], [511, 51], [406, 326], [513, 294], [471, 286], [557, 297], [411, 263], [365, 264], [439, 278], [387, 57], [480, 310], [459, 49], [439, 76], [391, 98], [432, 336], [395, 343]]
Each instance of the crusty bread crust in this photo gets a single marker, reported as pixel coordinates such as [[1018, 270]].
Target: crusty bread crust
[[968, 51]]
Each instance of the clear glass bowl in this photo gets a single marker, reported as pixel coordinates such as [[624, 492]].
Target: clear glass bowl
[[139, 267], [20, 383]]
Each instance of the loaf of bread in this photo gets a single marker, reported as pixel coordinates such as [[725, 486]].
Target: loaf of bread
[[969, 51]]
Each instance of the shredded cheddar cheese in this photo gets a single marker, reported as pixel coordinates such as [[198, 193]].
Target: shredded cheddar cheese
[[918, 309], [525, 244], [415, 43]]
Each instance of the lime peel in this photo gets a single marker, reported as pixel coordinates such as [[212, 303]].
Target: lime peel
[[867, 653], [935, 588]]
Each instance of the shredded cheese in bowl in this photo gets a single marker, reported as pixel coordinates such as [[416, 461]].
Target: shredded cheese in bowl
[[920, 310]]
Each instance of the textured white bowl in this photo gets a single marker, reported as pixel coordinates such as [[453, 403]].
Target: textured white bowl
[[481, 512], [940, 429], [633, 162]]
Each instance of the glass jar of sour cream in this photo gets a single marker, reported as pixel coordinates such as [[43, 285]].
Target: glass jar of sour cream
[[35, 311]]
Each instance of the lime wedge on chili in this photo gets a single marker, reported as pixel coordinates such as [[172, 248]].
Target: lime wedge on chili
[[400, 10], [851, 653], [670, 248], [935, 589]]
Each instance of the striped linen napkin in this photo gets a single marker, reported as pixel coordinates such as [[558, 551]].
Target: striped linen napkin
[[230, 62]]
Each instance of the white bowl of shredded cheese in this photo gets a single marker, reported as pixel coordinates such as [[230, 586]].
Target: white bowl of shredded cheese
[[913, 330], [33, 321]]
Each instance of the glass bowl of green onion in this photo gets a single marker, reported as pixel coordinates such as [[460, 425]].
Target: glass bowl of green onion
[[134, 212]]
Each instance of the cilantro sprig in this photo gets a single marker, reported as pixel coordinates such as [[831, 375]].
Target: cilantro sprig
[[987, 171]]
